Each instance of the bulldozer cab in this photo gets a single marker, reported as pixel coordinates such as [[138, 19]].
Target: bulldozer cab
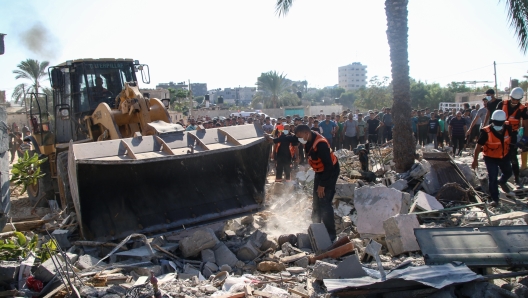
[[79, 86]]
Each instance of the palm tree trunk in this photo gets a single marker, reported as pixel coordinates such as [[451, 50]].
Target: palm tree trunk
[[404, 143]]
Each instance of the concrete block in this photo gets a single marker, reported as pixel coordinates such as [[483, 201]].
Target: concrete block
[[345, 190], [322, 270], [302, 262], [61, 236], [495, 220], [208, 256], [374, 204], [200, 240], [72, 258], [430, 182], [319, 237], [189, 269], [258, 238], [86, 261], [406, 203], [349, 268], [420, 169], [247, 252], [426, 202], [9, 271], [399, 185], [399, 233], [303, 241], [224, 256], [46, 271]]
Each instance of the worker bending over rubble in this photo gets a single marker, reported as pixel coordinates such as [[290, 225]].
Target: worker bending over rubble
[[494, 142], [326, 166]]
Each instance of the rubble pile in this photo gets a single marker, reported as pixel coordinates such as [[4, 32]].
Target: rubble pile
[[399, 235]]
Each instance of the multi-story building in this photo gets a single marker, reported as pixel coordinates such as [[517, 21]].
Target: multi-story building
[[352, 76], [198, 89], [231, 95]]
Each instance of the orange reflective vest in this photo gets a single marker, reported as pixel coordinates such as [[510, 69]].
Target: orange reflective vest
[[292, 148], [494, 147], [317, 164], [515, 123]]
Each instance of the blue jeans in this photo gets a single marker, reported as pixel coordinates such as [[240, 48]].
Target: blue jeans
[[493, 165]]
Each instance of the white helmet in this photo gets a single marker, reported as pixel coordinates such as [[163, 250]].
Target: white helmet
[[499, 115], [517, 93]]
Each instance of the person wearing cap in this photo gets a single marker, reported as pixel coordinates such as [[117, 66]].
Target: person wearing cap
[[515, 112], [494, 142]]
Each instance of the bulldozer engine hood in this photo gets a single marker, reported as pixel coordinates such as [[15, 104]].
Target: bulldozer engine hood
[[161, 183]]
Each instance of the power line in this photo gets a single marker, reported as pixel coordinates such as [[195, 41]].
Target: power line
[[462, 72], [513, 62]]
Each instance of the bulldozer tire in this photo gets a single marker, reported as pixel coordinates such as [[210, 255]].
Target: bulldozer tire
[[43, 190], [64, 182]]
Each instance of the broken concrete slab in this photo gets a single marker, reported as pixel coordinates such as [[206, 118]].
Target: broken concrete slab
[[87, 261], [375, 204], [200, 240], [208, 256], [323, 270], [46, 271], [406, 203], [258, 238], [224, 256], [399, 185], [319, 237], [302, 262], [399, 233], [143, 252], [425, 202], [9, 271], [350, 267], [495, 220]]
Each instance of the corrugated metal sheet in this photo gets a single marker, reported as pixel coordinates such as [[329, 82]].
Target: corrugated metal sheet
[[477, 247], [437, 276]]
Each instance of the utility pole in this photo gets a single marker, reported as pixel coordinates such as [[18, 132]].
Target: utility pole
[[191, 99], [495, 74]]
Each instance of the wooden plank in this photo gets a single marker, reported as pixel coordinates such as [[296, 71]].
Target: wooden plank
[[293, 258], [302, 294]]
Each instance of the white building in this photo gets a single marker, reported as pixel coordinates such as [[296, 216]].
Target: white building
[[352, 76]]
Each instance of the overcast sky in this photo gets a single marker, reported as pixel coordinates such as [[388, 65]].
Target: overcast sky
[[230, 43]]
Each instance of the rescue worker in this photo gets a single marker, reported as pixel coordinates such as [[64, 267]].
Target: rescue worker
[[326, 166], [515, 111], [494, 142], [286, 147]]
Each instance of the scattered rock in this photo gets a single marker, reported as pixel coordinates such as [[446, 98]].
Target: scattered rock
[[375, 204], [322, 270], [268, 266], [200, 240]]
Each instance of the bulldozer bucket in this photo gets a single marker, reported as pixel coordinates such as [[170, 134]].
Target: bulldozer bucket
[[162, 183]]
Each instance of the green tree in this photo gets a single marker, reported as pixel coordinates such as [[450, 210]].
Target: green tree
[[33, 72], [397, 29], [458, 88], [273, 83], [347, 99]]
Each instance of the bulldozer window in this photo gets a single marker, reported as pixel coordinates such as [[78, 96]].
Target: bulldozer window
[[101, 82]]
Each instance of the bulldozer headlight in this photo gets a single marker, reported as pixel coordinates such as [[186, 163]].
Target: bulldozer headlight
[[65, 113]]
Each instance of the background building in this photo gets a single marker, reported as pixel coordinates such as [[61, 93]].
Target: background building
[[352, 76]]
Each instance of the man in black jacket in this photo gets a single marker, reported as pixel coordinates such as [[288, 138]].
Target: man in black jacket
[[326, 166]]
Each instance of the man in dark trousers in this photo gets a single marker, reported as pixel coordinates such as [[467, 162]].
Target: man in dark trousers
[[326, 166], [494, 141], [515, 112], [285, 149]]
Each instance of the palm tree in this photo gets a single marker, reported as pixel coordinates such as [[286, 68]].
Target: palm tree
[[31, 70], [273, 83], [396, 12]]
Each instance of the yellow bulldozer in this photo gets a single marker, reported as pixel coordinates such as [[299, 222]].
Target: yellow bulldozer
[[115, 158]]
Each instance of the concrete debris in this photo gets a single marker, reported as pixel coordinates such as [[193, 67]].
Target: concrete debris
[[343, 209], [268, 266], [200, 240], [399, 185], [418, 170], [323, 270], [345, 190], [399, 233], [224, 256], [425, 202], [496, 219], [9, 271], [319, 237], [375, 204], [350, 267]]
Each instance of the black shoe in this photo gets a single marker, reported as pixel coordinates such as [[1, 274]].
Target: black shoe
[[505, 187]]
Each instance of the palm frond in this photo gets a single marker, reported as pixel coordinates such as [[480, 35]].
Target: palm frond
[[32, 70], [282, 7], [518, 17]]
